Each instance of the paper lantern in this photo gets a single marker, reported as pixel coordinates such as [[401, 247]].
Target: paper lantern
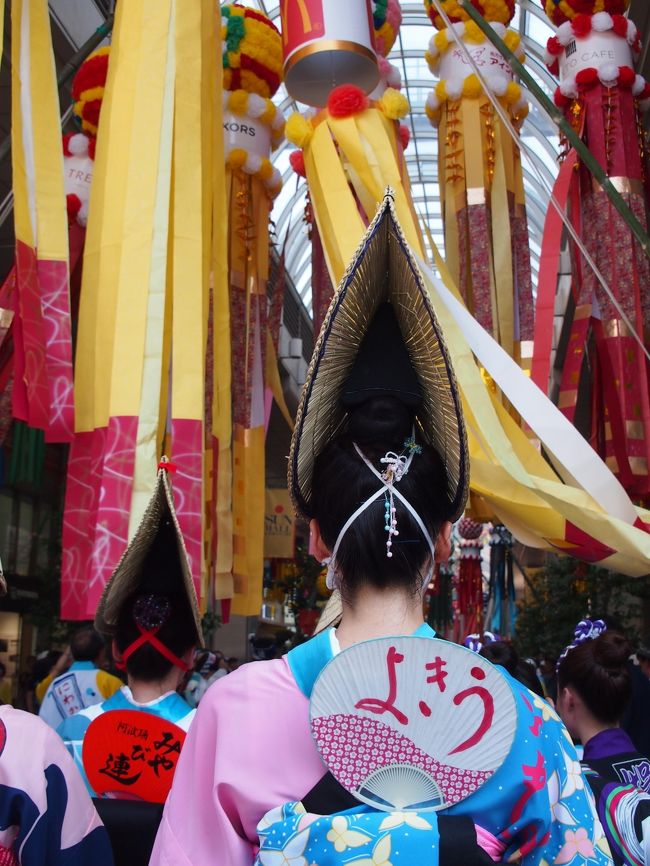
[[327, 43]]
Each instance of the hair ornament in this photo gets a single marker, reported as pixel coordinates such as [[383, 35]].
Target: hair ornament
[[411, 445], [151, 612], [475, 642], [397, 465], [587, 629]]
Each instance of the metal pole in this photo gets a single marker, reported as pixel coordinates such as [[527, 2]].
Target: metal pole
[[558, 118], [71, 67]]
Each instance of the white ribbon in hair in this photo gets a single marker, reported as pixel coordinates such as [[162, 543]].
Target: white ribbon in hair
[[397, 465]]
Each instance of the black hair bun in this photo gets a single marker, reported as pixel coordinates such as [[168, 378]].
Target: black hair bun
[[612, 651], [381, 421]]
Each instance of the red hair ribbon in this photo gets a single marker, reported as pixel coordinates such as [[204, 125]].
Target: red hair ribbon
[[149, 636], [167, 466]]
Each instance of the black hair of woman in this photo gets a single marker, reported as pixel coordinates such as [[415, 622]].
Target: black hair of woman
[[598, 672], [342, 481]]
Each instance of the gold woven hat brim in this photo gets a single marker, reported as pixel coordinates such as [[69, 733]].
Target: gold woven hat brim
[[127, 576], [383, 269]]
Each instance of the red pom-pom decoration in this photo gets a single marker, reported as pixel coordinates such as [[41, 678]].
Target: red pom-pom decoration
[[560, 99], [92, 144], [554, 47], [645, 93], [404, 135], [626, 76], [554, 68], [346, 100], [587, 77], [66, 144], [73, 205], [297, 160], [620, 26], [581, 26], [91, 74]]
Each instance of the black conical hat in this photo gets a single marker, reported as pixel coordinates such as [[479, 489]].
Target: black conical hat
[[155, 561], [383, 367], [382, 273]]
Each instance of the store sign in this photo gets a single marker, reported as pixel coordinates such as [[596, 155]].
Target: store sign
[[279, 525]]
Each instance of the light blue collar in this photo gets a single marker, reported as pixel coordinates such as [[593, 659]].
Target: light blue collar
[[308, 660], [83, 666]]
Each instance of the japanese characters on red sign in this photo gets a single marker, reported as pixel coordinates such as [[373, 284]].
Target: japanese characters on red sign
[[132, 754]]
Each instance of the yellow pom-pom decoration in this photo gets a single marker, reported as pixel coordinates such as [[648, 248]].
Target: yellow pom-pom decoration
[[298, 130], [238, 102], [432, 61], [512, 40], [513, 93], [473, 34], [252, 58], [393, 104], [441, 41], [501, 11], [269, 114], [441, 91], [472, 87], [266, 171], [237, 157], [432, 114]]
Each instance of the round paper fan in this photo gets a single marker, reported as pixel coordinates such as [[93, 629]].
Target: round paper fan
[[410, 723]]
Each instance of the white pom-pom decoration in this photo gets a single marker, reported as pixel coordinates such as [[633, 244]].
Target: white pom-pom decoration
[[565, 33], [632, 32], [433, 103], [454, 87], [601, 22], [82, 214], [608, 73], [394, 78], [78, 144], [253, 163], [639, 84], [568, 88], [459, 30], [256, 105], [499, 29], [497, 83], [432, 47], [278, 120], [520, 105]]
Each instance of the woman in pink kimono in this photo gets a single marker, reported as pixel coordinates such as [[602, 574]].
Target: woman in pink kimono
[[379, 466]]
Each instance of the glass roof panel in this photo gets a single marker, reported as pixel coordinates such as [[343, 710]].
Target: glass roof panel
[[539, 135]]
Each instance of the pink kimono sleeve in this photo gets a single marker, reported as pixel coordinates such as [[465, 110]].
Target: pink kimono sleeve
[[248, 750]]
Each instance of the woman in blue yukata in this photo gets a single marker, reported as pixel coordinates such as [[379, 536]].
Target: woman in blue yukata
[[379, 467], [594, 688]]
